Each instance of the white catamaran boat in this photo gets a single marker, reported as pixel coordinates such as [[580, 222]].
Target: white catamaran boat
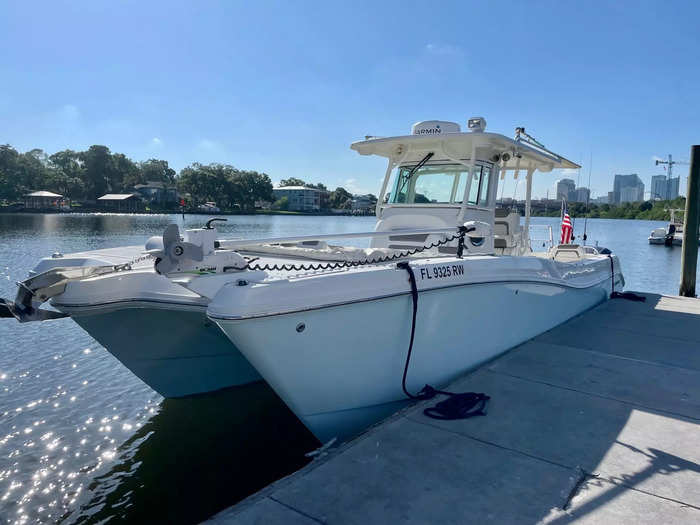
[[147, 306], [447, 274], [448, 279]]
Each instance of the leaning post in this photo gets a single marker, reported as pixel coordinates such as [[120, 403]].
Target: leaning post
[[689, 256]]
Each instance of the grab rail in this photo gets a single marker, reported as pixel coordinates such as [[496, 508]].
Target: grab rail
[[547, 239], [235, 243]]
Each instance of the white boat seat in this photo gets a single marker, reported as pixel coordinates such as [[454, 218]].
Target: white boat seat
[[568, 252]]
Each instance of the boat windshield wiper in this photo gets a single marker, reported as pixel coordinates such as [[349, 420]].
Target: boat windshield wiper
[[413, 170]]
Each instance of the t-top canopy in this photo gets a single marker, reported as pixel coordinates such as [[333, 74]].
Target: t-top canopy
[[509, 154]]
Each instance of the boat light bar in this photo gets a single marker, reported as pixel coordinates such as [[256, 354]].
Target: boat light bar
[[476, 124]]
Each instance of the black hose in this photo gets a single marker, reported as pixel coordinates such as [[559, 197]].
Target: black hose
[[456, 406]]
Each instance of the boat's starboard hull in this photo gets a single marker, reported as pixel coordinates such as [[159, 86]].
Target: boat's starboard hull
[[348, 359]]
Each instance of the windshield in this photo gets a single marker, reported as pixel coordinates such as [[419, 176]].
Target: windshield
[[439, 184]]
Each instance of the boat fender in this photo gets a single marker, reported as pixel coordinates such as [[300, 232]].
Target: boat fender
[[458, 405]]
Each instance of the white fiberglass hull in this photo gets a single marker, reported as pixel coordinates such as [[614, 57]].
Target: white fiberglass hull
[[158, 329], [343, 371], [177, 352]]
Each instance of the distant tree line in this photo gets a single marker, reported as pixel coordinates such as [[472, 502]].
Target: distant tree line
[[84, 176], [647, 210], [81, 175], [87, 175]]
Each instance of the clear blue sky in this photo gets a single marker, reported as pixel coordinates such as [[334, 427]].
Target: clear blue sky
[[284, 87]]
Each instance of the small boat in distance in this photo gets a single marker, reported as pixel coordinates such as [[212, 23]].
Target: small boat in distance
[[209, 207], [672, 235]]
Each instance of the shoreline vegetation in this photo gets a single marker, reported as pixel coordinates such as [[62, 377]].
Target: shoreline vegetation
[[81, 177], [88, 181], [646, 210]]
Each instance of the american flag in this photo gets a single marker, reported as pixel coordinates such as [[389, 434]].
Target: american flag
[[566, 228]]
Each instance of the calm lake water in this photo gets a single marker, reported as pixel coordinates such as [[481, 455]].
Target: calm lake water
[[83, 440]]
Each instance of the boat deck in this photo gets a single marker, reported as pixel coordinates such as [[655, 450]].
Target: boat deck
[[595, 421]]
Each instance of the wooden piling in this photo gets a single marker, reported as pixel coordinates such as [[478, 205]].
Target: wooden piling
[[689, 257]]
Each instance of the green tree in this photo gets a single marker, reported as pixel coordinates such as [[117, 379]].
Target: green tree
[[292, 181], [281, 204], [97, 161], [123, 171], [154, 170], [33, 169], [11, 187], [67, 174], [250, 186], [340, 199]]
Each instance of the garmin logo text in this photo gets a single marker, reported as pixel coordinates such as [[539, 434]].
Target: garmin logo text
[[428, 131]]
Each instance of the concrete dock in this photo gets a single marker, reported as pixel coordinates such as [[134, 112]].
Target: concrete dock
[[595, 421]]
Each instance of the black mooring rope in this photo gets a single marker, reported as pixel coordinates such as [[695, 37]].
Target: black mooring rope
[[456, 406], [630, 296]]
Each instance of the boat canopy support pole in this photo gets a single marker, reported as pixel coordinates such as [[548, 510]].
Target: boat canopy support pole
[[393, 162], [468, 185], [468, 165], [528, 199]]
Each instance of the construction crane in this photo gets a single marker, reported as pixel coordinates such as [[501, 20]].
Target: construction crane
[[670, 162]]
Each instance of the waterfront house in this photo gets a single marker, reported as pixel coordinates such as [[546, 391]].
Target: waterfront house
[[120, 202], [363, 204], [157, 193], [300, 198], [43, 200]]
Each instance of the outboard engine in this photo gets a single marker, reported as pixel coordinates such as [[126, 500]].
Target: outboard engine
[[670, 232], [195, 252]]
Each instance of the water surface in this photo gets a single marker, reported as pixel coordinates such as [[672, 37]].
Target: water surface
[[83, 440]]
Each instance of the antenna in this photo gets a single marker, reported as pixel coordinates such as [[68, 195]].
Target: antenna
[[588, 199]]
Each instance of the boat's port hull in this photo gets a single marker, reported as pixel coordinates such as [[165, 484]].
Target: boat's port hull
[[341, 370], [177, 352]]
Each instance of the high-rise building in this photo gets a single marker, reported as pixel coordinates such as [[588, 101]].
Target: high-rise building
[[632, 184], [672, 188], [580, 195], [565, 189], [663, 188], [658, 187]]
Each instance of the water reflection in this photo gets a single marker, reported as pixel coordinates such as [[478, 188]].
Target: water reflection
[[198, 455], [75, 424]]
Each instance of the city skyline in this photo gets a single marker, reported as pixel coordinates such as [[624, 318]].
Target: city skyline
[[661, 187]]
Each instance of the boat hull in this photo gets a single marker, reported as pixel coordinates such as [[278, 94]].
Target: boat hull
[[177, 352], [343, 371]]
